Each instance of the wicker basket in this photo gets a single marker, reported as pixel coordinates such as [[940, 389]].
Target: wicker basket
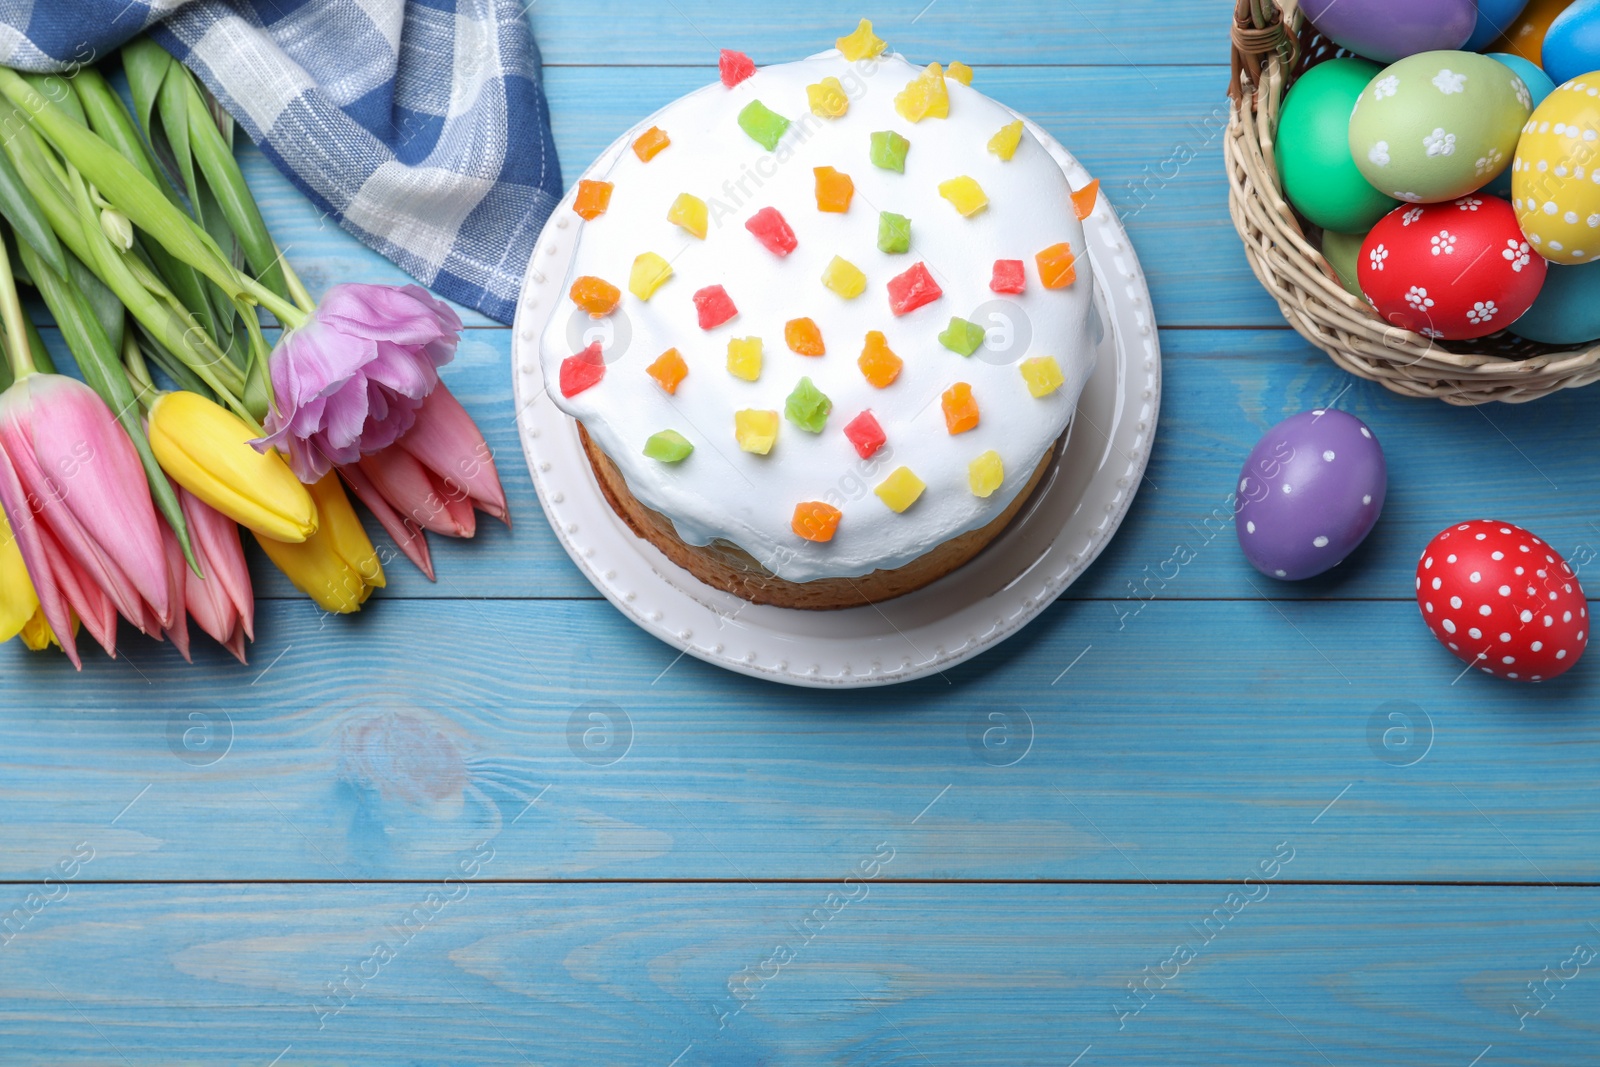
[[1271, 47]]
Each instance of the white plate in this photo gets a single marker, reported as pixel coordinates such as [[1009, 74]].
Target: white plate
[[1066, 524]]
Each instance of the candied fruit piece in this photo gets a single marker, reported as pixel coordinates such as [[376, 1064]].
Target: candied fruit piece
[[962, 336], [960, 72], [744, 357], [1043, 375], [1083, 200], [834, 190], [650, 143], [960, 409], [668, 446], [912, 289], [579, 372], [985, 473], [803, 337], [755, 430], [966, 194], [772, 230], [924, 96], [734, 67], [827, 98], [592, 199], [878, 363], [900, 490], [765, 126], [648, 274], [894, 232], [714, 306], [807, 406], [1004, 143], [815, 521], [865, 433], [689, 212], [595, 295], [1056, 270], [844, 278], [1009, 276], [669, 370], [889, 151], [860, 43]]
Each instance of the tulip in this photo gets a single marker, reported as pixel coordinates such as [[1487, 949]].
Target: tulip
[[350, 379], [76, 496], [445, 440], [221, 603], [405, 533], [336, 566], [177, 630], [206, 449]]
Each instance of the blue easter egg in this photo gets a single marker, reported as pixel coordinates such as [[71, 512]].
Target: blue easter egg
[[1567, 311], [1572, 43], [1539, 86], [1494, 18]]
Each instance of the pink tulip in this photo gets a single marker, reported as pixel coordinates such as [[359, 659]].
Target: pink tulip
[[77, 500], [446, 441], [178, 629], [407, 535], [222, 603], [350, 380]]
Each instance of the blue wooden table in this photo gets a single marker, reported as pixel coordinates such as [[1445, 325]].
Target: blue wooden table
[[1187, 816]]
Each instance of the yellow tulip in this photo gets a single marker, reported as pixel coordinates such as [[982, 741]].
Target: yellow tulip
[[20, 614], [336, 566], [38, 636], [206, 449]]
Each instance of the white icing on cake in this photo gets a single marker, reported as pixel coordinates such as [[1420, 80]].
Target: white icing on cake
[[721, 492]]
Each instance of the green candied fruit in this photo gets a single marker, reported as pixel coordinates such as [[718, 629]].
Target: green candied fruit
[[962, 336], [889, 151], [894, 232], [807, 407], [668, 446], [764, 125]]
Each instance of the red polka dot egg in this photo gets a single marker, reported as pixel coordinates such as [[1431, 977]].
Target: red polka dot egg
[[1455, 270], [1503, 601]]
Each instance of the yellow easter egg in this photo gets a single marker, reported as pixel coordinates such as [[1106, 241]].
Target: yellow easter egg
[[1555, 175]]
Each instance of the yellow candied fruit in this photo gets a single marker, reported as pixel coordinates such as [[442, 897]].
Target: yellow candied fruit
[[878, 363], [595, 295], [1043, 375], [689, 211], [1004, 143], [985, 473], [834, 190], [756, 430], [648, 274], [804, 337], [650, 143], [967, 195], [815, 521], [960, 72], [827, 98], [744, 357], [1057, 268], [901, 489], [924, 97], [860, 43], [592, 199], [669, 370], [960, 408], [844, 278]]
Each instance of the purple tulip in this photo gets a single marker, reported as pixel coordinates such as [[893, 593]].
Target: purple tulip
[[350, 380]]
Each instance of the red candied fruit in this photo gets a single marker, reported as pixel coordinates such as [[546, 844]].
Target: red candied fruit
[[772, 230], [865, 433], [582, 371], [735, 67], [1009, 276], [715, 306], [912, 290]]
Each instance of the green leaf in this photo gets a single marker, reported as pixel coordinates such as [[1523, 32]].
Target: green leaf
[[58, 91], [26, 217], [105, 304], [41, 354], [171, 365]]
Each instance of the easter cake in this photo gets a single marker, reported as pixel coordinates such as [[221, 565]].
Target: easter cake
[[776, 344]]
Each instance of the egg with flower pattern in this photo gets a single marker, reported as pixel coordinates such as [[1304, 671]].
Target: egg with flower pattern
[[1452, 271], [1555, 178], [1437, 125]]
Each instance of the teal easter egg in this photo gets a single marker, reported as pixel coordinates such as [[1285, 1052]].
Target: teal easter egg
[[1343, 251], [1438, 125], [1539, 86], [1319, 177], [1567, 311]]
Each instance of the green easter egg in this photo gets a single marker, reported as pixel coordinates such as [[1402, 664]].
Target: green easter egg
[[1319, 177], [1342, 250], [1438, 125]]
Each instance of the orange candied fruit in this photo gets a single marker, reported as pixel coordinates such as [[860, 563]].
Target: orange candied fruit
[[668, 370], [650, 143], [1083, 200], [803, 337], [1056, 268], [595, 295], [960, 409], [878, 363], [815, 521], [834, 190], [592, 200]]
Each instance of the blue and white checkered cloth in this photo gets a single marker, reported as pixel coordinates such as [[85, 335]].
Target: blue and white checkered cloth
[[420, 125]]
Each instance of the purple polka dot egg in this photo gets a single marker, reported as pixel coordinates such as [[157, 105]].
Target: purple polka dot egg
[[1310, 492]]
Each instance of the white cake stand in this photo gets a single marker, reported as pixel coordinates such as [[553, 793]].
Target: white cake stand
[[1065, 525]]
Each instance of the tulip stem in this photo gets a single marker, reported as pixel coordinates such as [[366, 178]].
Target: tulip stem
[[290, 316], [15, 322], [144, 387]]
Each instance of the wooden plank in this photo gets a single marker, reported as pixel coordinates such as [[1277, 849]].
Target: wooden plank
[[1166, 745], [858, 972]]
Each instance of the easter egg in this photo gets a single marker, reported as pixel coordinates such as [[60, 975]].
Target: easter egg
[[1568, 309], [1539, 86], [1386, 30], [1525, 36], [1454, 271], [1343, 251], [1572, 43], [1437, 125], [1503, 601], [1555, 178], [1319, 177], [1309, 494], [1494, 18]]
